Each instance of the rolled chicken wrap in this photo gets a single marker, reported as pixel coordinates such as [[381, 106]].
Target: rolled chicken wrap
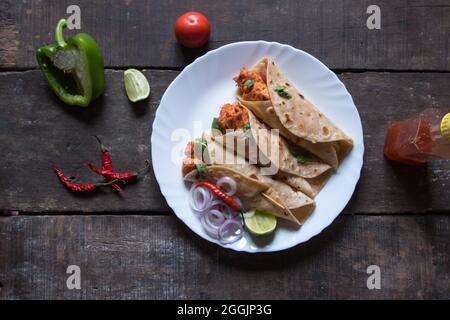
[[274, 100]]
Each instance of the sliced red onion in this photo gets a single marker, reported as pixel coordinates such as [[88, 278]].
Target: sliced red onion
[[239, 220], [230, 213], [218, 204], [212, 231], [230, 231], [228, 182], [215, 218], [224, 208], [200, 198]]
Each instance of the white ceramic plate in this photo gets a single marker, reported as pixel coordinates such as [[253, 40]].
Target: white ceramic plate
[[195, 97]]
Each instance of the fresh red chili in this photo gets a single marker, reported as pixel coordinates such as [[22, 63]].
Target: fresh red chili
[[229, 200], [107, 162], [125, 176], [86, 187]]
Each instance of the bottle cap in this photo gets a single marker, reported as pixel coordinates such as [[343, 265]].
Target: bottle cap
[[445, 127]]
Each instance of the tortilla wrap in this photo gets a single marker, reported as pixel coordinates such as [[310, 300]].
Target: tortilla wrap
[[298, 119], [278, 151], [311, 187], [279, 193], [262, 146]]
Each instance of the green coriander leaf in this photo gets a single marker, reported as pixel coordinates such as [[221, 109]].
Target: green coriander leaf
[[282, 92], [215, 124], [247, 127], [249, 83], [201, 170], [302, 158]]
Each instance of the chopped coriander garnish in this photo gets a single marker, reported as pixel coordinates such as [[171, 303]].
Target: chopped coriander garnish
[[302, 158], [215, 124], [282, 92], [249, 83], [247, 127], [201, 169]]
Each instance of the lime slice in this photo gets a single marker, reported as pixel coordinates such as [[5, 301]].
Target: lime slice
[[136, 85], [260, 223]]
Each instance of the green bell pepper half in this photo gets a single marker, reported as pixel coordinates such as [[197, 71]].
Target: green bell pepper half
[[73, 68]]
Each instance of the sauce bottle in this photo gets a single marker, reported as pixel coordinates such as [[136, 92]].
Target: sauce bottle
[[419, 139]]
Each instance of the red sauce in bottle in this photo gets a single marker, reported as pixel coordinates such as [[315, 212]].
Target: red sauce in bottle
[[417, 140]]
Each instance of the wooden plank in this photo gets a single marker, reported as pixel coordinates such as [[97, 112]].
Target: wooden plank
[[36, 131], [387, 186], [145, 257], [140, 32]]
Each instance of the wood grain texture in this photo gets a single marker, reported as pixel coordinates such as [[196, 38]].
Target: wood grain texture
[[386, 186], [413, 35], [142, 257], [36, 131], [154, 255]]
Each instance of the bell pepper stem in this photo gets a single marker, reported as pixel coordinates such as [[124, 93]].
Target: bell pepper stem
[[59, 36]]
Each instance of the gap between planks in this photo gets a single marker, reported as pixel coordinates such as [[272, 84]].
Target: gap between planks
[[171, 214]]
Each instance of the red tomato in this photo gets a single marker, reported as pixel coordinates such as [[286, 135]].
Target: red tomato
[[192, 29]]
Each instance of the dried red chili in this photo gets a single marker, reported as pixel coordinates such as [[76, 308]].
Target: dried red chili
[[229, 200], [107, 162], [78, 187], [125, 176]]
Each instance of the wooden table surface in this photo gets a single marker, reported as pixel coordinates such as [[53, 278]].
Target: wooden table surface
[[133, 247]]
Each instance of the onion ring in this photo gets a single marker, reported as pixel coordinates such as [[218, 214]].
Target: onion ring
[[226, 210], [212, 231], [214, 218], [229, 182], [200, 198], [218, 219], [230, 231]]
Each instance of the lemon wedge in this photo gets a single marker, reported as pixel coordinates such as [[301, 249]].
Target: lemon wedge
[[136, 85], [260, 222]]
